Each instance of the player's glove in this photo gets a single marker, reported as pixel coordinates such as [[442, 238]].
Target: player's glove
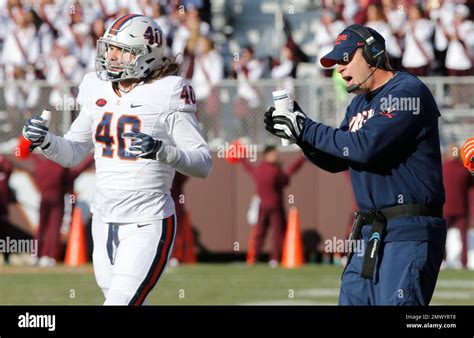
[[285, 124], [467, 154], [143, 145], [36, 132]]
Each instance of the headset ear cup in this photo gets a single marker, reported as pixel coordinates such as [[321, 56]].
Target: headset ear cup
[[368, 55], [379, 47]]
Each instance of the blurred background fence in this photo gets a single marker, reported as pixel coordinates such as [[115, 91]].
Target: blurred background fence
[[225, 116]]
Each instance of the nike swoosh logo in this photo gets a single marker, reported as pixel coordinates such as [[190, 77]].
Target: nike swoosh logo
[[142, 225], [135, 105]]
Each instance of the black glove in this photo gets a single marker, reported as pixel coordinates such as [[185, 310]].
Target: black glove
[[36, 132], [143, 145], [285, 124]]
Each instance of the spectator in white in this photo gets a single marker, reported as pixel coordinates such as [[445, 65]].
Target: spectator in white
[[208, 72], [461, 38], [459, 61], [351, 7], [418, 32], [98, 29], [62, 68], [143, 7], [164, 22], [247, 69], [20, 54], [75, 32], [50, 15], [395, 14], [84, 47], [285, 70], [376, 19], [106, 9], [158, 14], [190, 25], [443, 17], [326, 33]]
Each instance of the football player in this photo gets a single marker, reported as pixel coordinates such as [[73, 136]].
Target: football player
[[139, 117]]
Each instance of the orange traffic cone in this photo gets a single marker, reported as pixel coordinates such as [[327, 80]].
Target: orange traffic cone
[[251, 259], [293, 255], [76, 252], [189, 247]]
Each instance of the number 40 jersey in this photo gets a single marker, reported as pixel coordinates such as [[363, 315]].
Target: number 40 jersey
[[128, 188]]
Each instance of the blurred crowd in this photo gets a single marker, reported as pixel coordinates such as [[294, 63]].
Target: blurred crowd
[[54, 40], [425, 37]]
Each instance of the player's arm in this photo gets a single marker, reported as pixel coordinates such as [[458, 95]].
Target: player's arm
[[189, 152], [70, 150], [67, 151], [377, 135]]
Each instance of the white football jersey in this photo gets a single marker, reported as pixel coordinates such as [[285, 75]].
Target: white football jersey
[[131, 189]]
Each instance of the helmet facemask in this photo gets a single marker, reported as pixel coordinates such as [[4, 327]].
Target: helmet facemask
[[124, 68], [140, 45]]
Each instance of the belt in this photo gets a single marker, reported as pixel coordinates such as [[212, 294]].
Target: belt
[[378, 219]]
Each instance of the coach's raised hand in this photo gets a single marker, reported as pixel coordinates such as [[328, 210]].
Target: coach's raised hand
[[285, 124], [35, 130]]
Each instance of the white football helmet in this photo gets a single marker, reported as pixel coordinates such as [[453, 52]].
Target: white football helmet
[[141, 42]]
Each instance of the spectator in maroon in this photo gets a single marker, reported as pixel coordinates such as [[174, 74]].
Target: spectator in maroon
[[457, 182], [270, 180], [53, 182], [5, 173]]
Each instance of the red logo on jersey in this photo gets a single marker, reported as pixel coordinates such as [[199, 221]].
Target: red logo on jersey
[[101, 102]]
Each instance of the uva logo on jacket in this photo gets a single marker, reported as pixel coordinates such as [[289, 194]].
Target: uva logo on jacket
[[359, 120]]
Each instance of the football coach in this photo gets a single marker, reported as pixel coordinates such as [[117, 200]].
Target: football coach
[[389, 142]]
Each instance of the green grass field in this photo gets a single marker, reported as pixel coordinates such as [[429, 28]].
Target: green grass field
[[213, 284]]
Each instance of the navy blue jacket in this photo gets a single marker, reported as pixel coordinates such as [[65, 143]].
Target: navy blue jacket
[[389, 141]]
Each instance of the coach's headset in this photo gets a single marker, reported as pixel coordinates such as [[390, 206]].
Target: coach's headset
[[374, 49]]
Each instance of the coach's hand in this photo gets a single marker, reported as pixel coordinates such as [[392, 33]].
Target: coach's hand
[[36, 131], [285, 124], [143, 145]]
